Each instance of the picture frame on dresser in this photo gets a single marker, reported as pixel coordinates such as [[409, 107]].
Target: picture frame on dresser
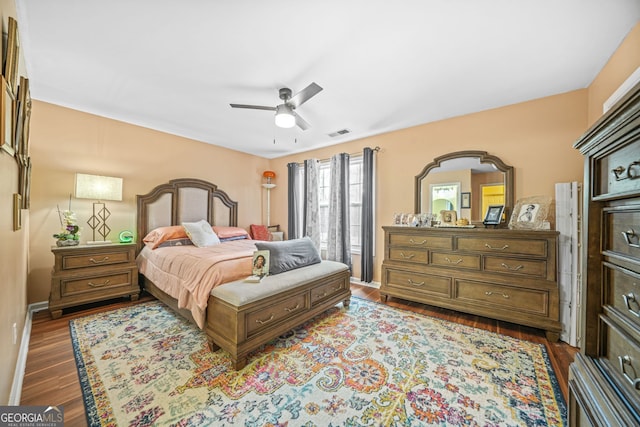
[[493, 215], [530, 213]]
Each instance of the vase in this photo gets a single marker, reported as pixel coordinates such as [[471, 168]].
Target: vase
[[67, 242]]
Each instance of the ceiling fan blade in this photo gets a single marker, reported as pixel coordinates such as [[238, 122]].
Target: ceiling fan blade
[[302, 123], [253, 107], [304, 95]]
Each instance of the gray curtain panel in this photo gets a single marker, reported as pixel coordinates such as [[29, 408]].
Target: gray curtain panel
[[366, 240], [339, 233], [293, 194], [311, 204]]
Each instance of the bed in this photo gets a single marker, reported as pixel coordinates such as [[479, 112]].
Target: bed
[[236, 316]]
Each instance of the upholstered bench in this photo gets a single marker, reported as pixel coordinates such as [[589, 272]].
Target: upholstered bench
[[242, 316]]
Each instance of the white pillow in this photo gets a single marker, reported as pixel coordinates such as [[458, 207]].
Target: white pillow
[[201, 233]]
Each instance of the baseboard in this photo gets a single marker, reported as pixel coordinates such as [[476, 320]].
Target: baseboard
[[21, 363], [356, 281]]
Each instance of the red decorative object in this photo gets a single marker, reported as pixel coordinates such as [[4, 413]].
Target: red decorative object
[[259, 232], [269, 175]]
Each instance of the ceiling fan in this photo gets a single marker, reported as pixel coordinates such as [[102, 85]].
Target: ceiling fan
[[286, 117]]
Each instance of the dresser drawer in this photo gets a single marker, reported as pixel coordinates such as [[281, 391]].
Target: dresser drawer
[[98, 283], [533, 247], [265, 317], [622, 291], [96, 259], [420, 241], [531, 268], [503, 297], [621, 352], [618, 173], [409, 255], [424, 283], [443, 259], [622, 231]]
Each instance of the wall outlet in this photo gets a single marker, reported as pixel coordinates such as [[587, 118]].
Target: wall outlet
[[15, 333]]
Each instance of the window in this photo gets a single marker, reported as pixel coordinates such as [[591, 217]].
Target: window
[[445, 197]]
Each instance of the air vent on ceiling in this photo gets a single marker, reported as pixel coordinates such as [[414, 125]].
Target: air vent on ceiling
[[339, 133]]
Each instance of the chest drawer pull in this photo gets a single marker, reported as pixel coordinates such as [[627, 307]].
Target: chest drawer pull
[[411, 282], [624, 362], [628, 299], [402, 255], [95, 261], [418, 243], [262, 322], [631, 173], [453, 262], [98, 285], [486, 245], [489, 293], [628, 236], [516, 268], [289, 310]]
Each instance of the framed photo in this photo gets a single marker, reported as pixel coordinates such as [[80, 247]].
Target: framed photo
[[448, 217], [465, 200], [530, 213], [23, 106], [493, 215], [10, 71], [260, 263], [17, 213], [6, 118]]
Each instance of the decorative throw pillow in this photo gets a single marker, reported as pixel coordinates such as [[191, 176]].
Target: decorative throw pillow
[[259, 232], [159, 235], [225, 232], [201, 233], [290, 254]]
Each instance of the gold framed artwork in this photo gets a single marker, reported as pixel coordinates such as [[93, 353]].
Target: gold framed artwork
[[17, 212], [10, 71], [448, 217], [24, 109], [6, 118], [530, 213]]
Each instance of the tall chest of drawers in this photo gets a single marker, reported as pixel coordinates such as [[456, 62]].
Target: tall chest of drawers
[[604, 380], [88, 273], [502, 274]]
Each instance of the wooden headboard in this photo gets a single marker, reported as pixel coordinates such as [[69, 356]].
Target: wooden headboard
[[184, 200]]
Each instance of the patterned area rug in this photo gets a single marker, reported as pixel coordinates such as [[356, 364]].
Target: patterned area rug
[[367, 365]]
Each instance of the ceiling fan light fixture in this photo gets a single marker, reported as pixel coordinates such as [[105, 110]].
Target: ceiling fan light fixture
[[285, 117]]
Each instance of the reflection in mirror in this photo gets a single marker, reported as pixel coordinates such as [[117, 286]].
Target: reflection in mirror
[[484, 179]]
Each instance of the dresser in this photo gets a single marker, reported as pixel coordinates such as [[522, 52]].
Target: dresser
[[498, 273], [604, 380], [88, 273]]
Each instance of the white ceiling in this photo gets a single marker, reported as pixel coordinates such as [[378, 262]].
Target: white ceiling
[[175, 66]]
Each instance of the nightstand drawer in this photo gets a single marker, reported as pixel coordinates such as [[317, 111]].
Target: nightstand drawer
[[102, 283], [95, 259]]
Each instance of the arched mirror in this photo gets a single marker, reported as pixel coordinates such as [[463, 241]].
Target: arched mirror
[[467, 182]]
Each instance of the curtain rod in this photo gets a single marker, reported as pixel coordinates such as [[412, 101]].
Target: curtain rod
[[375, 149]]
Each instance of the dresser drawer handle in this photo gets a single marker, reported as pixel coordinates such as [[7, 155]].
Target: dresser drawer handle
[[628, 235], [418, 243], [486, 245], [631, 173], [289, 310], [516, 268], [262, 322], [628, 299], [402, 255], [453, 262], [98, 285], [489, 293], [624, 362], [411, 282], [95, 261]]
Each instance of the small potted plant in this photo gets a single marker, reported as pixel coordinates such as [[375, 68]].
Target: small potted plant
[[70, 232]]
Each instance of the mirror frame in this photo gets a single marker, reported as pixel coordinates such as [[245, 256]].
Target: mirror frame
[[484, 157]]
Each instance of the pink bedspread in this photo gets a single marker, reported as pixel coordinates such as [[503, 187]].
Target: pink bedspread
[[189, 273]]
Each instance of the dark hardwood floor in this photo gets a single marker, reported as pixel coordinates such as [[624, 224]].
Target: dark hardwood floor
[[51, 377]]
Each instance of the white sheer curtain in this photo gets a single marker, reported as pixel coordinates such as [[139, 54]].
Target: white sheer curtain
[[339, 236], [311, 204]]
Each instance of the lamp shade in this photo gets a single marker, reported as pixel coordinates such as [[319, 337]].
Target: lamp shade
[[285, 117], [98, 187], [269, 174]]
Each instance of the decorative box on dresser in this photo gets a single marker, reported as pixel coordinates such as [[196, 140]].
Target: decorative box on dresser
[[88, 273], [604, 380], [498, 273]]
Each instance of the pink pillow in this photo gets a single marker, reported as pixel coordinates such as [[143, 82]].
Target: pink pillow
[[260, 232], [161, 234], [227, 232]]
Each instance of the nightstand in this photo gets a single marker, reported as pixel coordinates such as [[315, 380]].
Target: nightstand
[[88, 273]]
